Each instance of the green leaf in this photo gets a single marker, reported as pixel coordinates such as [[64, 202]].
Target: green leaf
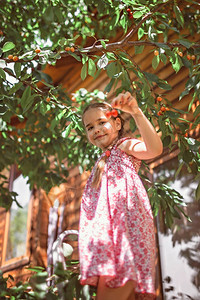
[[172, 114], [151, 77], [187, 217], [140, 33], [103, 44], [168, 218], [8, 46], [166, 141], [62, 41], [91, 67], [124, 58], [185, 43], [30, 102], [113, 69], [162, 45], [164, 85], [109, 85], [192, 101], [67, 130], [84, 71], [117, 17], [124, 23], [137, 14], [187, 63], [155, 61], [177, 64], [139, 49], [15, 88], [17, 68], [178, 15], [84, 58], [25, 97], [75, 56], [64, 2], [2, 74], [197, 193], [111, 56], [163, 58], [179, 169], [187, 156]]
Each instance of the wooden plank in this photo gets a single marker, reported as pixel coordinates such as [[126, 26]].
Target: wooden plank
[[15, 264], [5, 241], [2, 232]]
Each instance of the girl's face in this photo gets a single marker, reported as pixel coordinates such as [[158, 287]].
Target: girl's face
[[101, 131]]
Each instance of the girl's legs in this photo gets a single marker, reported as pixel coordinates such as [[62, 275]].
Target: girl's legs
[[125, 292]]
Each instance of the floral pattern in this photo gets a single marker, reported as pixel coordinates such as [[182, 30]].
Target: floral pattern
[[116, 230]]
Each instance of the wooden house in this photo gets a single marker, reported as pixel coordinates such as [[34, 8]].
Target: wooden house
[[64, 201]]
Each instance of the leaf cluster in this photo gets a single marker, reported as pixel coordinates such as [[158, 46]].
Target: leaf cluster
[[65, 285]]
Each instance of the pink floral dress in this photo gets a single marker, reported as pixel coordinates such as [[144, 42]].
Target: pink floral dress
[[116, 230]]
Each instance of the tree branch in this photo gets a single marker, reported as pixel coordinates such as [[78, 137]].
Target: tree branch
[[170, 44], [25, 82], [121, 44], [124, 41]]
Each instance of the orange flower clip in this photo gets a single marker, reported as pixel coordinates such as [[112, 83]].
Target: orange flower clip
[[113, 113]]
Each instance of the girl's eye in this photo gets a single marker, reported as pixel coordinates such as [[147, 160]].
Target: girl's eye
[[102, 122], [89, 128]]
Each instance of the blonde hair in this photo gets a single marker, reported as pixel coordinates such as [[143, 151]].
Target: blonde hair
[[102, 162]]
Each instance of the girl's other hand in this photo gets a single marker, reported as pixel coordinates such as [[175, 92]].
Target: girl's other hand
[[126, 102]]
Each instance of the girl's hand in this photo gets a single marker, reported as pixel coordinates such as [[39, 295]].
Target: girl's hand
[[126, 102]]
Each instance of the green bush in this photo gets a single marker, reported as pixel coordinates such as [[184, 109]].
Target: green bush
[[62, 285]]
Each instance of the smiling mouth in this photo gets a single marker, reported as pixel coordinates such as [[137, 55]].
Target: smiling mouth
[[99, 136]]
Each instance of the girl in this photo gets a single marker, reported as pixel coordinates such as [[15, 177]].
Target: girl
[[116, 234]]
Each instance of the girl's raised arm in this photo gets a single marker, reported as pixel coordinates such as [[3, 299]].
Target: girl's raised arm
[[152, 145]]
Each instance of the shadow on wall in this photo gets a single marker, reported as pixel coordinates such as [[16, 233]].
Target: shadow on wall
[[171, 292], [179, 247]]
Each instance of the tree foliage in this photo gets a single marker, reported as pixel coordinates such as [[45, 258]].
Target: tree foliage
[[65, 285], [41, 129]]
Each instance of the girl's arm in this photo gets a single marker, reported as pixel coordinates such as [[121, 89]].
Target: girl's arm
[[152, 144]]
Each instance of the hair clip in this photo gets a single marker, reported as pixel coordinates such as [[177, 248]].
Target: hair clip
[[113, 113]]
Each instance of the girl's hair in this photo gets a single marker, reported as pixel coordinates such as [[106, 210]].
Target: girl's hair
[[101, 164]]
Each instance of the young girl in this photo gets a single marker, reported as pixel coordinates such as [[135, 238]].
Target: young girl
[[116, 234]]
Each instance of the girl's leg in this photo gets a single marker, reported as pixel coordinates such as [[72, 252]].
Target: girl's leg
[[121, 293]]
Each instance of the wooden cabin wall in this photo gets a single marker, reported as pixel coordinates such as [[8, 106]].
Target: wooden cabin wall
[[37, 227]]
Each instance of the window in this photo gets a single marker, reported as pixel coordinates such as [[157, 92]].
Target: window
[[179, 247], [17, 224], [17, 235]]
